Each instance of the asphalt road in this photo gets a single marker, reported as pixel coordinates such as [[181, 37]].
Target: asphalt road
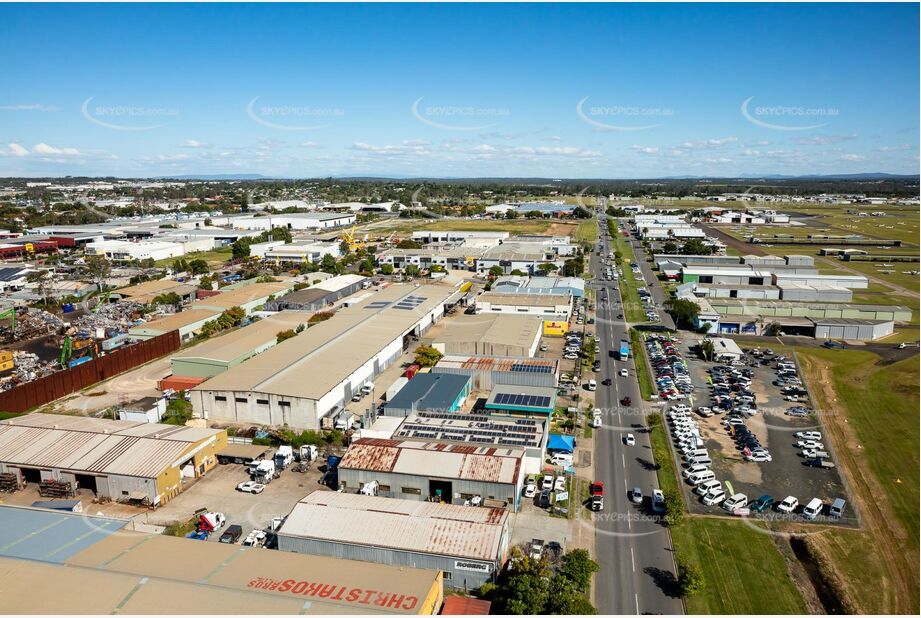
[[656, 289], [632, 546]]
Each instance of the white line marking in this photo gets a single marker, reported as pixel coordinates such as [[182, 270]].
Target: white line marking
[[623, 458], [632, 560], [636, 597]]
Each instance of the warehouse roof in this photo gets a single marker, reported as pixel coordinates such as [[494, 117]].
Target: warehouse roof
[[394, 524], [178, 320], [722, 345], [522, 398], [241, 341], [96, 445], [525, 300], [780, 304], [337, 347], [485, 464], [847, 322], [334, 284], [497, 363], [243, 295], [474, 429], [137, 573], [494, 328], [430, 391]]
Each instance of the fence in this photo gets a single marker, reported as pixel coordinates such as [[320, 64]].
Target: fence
[[57, 385]]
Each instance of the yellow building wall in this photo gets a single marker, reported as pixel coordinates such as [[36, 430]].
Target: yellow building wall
[[169, 482], [555, 328], [433, 602]]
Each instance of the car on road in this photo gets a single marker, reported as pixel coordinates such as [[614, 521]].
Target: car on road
[[636, 495], [596, 491], [714, 498], [762, 504], [251, 487], [624, 373], [596, 422], [606, 381], [626, 401], [629, 440], [735, 501], [788, 504], [530, 488], [547, 482]]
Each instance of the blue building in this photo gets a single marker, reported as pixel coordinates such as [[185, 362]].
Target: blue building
[[430, 392]]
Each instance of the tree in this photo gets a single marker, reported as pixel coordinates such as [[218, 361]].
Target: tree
[[578, 567], [240, 249], [427, 356], [170, 298], [704, 328], [696, 246], [407, 243], [411, 270], [98, 268], [547, 267], [517, 273], [523, 589], [180, 265], [773, 329], [566, 600], [198, 267], [328, 264], [534, 214], [580, 212], [284, 335], [320, 316], [683, 311], [706, 349], [511, 213], [387, 269], [178, 411], [496, 271], [690, 578], [669, 247], [674, 507]]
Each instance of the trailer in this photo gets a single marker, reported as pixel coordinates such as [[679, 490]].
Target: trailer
[[241, 454]]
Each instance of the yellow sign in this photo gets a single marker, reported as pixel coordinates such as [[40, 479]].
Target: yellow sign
[[30, 248], [555, 328]]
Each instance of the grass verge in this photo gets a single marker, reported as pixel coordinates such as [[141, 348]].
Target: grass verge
[[643, 374], [633, 307]]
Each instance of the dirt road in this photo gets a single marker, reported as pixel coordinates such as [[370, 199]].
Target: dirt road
[[128, 387]]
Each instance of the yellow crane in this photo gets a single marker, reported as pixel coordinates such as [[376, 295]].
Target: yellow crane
[[354, 243]]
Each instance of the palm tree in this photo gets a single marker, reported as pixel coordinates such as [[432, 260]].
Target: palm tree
[[706, 349]]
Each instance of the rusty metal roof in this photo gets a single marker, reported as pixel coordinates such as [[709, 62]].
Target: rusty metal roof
[[407, 525], [435, 459]]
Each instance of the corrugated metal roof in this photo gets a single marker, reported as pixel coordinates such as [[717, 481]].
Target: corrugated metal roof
[[241, 341], [95, 445], [433, 459], [525, 300], [406, 525], [494, 363], [492, 328]]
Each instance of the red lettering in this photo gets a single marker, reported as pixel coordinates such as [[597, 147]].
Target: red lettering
[[353, 595], [339, 594], [396, 600], [368, 595], [326, 590], [299, 587], [410, 602], [286, 585]]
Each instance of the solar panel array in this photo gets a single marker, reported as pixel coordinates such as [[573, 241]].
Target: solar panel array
[[520, 432], [532, 401], [526, 368], [410, 302], [378, 304]]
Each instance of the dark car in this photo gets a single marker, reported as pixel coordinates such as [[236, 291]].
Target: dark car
[[606, 381], [231, 535], [626, 401], [543, 499], [762, 504]]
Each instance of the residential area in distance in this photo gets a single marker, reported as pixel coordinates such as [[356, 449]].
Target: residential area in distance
[[566, 377], [460, 309]]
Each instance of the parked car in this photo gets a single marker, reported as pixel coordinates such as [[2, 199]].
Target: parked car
[[251, 487], [658, 501], [530, 488], [762, 504], [231, 535], [788, 504], [714, 498], [708, 487], [735, 501], [596, 491]]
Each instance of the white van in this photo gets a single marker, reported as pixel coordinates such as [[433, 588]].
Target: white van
[[561, 459], [813, 509], [703, 460], [694, 452], [837, 507], [700, 477], [592, 385]]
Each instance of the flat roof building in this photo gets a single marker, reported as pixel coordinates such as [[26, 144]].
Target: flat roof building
[[118, 460], [430, 392], [469, 545], [511, 399], [490, 334], [488, 371], [548, 306], [425, 470], [187, 322], [145, 292], [99, 567], [725, 349], [303, 380]]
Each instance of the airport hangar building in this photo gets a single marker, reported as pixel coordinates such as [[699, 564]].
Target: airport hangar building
[[121, 460], [310, 377]]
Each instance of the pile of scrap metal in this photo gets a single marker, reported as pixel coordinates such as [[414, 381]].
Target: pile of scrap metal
[[27, 367], [29, 325]]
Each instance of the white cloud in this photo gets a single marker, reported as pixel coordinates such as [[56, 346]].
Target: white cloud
[[18, 151], [553, 138], [851, 157], [894, 148], [29, 107], [645, 149], [309, 144], [46, 149], [192, 143], [822, 140]]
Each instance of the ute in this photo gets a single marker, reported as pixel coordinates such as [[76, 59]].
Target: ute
[[596, 490]]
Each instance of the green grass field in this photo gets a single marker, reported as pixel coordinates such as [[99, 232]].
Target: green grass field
[[661, 453], [586, 231], [744, 572], [214, 258]]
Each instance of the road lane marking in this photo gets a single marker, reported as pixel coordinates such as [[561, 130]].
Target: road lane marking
[[636, 598], [624, 459], [632, 560]]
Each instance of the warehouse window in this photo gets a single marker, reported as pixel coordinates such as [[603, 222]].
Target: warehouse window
[[241, 399], [285, 404], [412, 490], [446, 575], [384, 488], [262, 402], [220, 398]]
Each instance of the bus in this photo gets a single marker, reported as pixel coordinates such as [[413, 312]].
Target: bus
[[624, 349]]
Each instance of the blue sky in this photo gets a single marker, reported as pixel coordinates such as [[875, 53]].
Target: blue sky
[[568, 91]]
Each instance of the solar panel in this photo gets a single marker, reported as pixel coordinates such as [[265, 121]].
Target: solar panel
[[525, 368]]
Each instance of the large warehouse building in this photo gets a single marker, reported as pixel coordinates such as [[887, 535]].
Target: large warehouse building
[[310, 377], [423, 471], [469, 545], [119, 460], [489, 334], [96, 566]]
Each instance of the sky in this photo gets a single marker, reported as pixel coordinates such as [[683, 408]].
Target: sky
[[459, 90]]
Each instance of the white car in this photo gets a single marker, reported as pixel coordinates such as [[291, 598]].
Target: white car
[[714, 498], [759, 457], [530, 488], [810, 444], [690, 470], [571, 356], [629, 440], [596, 422], [658, 501], [708, 487], [809, 435], [735, 501], [251, 487], [560, 484], [624, 373], [256, 538], [596, 412], [788, 505], [547, 482]]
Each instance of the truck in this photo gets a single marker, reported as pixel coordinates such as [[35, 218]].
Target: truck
[[284, 457], [263, 471], [344, 420], [308, 452], [210, 521], [624, 349]]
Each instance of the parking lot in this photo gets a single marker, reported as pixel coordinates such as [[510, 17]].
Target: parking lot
[[756, 454], [216, 491]]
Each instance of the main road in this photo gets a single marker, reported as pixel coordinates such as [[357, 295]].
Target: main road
[[632, 545]]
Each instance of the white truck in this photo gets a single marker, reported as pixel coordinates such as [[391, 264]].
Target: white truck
[[263, 471], [308, 452], [284, 457]]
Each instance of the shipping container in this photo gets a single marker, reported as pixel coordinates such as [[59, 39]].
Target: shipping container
[[411, 371], [114, 342]]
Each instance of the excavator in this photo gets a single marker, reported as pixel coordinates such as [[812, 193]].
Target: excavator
[[9, 313]]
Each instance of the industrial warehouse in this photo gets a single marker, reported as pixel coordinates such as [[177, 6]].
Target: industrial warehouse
[[340, 357], [469, 545], [424, 471], [98, 566], [142, 463]]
